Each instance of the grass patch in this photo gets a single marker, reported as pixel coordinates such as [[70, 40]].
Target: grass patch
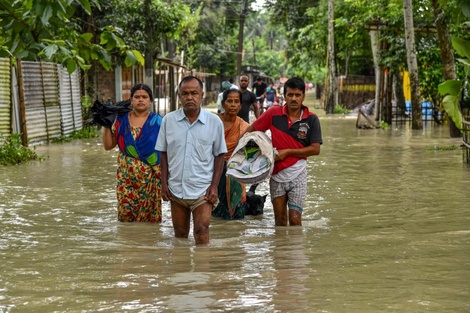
[[443, 148], [85, 133]]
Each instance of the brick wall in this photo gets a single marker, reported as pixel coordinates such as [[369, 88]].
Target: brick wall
[[106, 87]]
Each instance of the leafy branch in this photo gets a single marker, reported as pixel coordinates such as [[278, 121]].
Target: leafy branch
[[453, 89]]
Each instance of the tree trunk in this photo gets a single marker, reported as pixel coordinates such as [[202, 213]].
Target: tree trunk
[[416, 122], [374, 40], [331, 91], [446, 55], [398, 93], [387, 114]]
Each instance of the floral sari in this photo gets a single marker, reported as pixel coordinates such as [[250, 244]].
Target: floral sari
[[138, 187], [232, 194]]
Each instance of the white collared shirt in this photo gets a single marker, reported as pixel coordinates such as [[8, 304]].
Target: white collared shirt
[[191, 149]]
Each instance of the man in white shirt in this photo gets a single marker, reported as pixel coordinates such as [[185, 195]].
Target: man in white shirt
[[192, 145]]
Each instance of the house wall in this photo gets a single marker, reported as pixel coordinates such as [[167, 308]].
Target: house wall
[[106, 87], [107, 82]]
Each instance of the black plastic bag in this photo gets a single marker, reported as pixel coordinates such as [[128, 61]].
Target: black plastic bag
[[105, 115]]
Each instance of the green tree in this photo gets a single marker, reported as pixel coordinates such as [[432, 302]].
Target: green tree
[[305, 41], [213, 48], [52, 30], [265, 45], [146, 24]]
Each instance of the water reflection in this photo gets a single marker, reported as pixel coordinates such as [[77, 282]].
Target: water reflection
[[385, 229]]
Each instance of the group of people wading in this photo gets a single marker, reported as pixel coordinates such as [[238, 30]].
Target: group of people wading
[[182, 157]]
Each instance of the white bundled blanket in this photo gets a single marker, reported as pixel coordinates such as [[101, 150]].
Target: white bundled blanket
[[252, 160]]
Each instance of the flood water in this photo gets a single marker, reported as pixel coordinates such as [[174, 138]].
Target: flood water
[[385, 229]]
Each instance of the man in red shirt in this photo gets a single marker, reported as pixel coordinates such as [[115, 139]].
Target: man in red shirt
[[296, 135]]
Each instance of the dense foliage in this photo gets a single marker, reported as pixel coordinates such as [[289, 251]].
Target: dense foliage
[[54, 31], [285, 38]]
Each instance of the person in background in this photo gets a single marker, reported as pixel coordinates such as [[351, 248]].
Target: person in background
[[279, 98], [270, 95], [192, 146], [232, 195], [296, 135], [138, 187], [225, 85], [259, 88], [248, 99]]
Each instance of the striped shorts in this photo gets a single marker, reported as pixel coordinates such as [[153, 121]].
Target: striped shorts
[[296, 191]]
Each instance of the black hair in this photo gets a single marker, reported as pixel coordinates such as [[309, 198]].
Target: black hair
[[228, 91], [294, 83], [142, 87], [188, 78]]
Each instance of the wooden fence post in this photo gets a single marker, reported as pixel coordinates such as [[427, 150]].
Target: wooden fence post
[[24, 132]]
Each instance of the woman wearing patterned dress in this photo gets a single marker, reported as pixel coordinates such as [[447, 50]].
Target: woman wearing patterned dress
[[138, 174]]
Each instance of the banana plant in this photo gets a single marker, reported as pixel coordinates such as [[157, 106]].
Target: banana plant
[[453, 89]]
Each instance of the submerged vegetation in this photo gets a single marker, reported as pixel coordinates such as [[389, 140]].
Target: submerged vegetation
[[12, 151], [384, 125], [340, 110], [443, 148]]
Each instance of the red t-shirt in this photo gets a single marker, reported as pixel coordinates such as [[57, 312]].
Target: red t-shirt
[[289, 135]]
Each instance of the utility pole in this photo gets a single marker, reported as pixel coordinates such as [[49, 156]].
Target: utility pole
[[241, 26]]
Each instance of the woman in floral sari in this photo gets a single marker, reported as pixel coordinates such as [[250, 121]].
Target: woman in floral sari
[[232, 195], [138, 174]]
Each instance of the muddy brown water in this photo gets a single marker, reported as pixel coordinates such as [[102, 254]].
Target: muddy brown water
[[386, 229]]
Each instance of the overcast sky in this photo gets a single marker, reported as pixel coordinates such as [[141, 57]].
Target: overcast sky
[[257, 4]]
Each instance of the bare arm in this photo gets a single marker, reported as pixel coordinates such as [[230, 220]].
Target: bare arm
[[313, 149], [166, 195], [255, 109], [109, 140], [212, 192], [249, 129]]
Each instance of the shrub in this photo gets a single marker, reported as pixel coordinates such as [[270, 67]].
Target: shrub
[[340, 110], [13, 152]]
